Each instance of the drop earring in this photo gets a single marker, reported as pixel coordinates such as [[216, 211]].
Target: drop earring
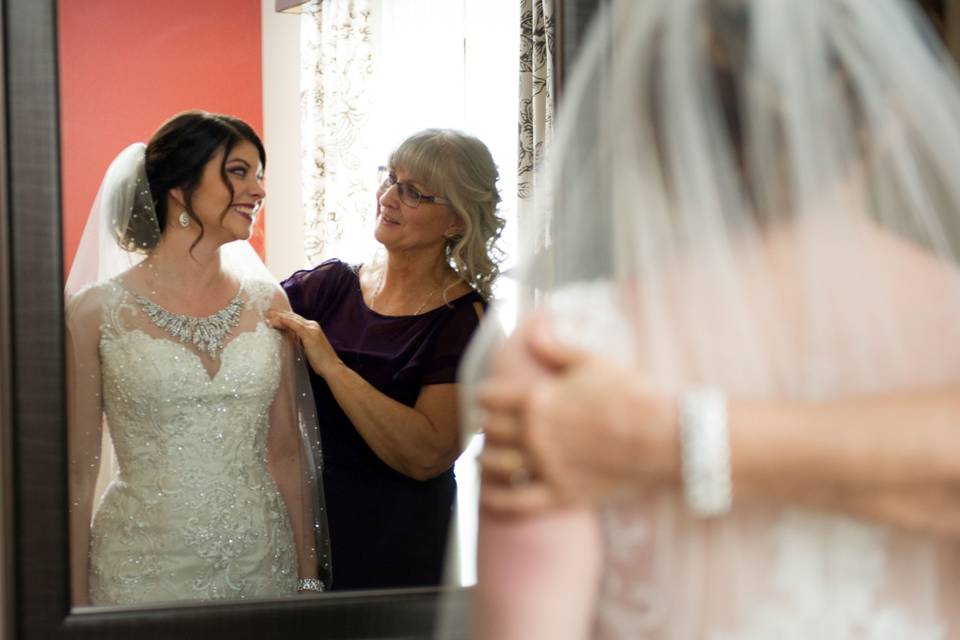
[[184, 219]]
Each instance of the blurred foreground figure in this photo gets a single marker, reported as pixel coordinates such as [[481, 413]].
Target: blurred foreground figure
[[734, 410]]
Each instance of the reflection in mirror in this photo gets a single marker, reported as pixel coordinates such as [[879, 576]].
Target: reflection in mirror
[[215, 493], [387, 394], [192, 450]]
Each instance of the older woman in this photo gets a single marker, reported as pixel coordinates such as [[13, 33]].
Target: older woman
[[384, 342]]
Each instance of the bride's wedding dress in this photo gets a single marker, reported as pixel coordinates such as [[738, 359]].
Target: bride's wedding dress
[[193, 512], [769, 570]]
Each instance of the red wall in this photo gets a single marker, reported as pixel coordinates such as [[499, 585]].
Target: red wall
[[128, 65]]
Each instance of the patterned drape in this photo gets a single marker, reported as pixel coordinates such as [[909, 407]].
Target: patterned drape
[[537, 38], [337, 95]]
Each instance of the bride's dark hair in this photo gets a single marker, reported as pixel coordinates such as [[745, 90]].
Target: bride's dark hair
[[175, 158]]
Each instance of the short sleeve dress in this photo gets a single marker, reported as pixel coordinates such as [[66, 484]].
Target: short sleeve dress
[[386, 529]]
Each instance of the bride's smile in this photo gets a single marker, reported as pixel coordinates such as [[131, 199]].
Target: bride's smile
[[229, 195]]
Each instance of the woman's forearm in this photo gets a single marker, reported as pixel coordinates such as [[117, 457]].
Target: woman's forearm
[[418, 443], [537, 577], [84, 444], [84, 470], [403, 437], [80, 516], [287, 473], [888, 456], [891, 457]]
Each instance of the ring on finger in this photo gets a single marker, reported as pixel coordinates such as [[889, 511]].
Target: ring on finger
[[519, 473], [519, 477]]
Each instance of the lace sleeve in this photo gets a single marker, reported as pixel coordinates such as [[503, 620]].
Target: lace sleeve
[[84, 428], [295, 459]]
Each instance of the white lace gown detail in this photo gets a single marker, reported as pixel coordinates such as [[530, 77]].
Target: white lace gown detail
[[763, 571], [194, 512]]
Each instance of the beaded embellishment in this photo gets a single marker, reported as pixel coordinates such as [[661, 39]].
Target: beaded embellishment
[[207, 334]]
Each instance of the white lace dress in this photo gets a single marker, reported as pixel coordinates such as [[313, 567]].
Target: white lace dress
[[766, 571], [193, 512]]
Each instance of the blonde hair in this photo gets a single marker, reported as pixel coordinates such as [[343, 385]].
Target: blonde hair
[[459, 168]]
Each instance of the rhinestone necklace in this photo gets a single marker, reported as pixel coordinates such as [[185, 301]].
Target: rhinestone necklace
[[207, 334]]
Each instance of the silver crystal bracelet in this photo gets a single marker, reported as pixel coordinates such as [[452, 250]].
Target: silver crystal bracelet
[[310, 584], [705, 451]]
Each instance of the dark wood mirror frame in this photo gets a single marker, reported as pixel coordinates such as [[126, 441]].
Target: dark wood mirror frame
[[33, 500], [32, 405]]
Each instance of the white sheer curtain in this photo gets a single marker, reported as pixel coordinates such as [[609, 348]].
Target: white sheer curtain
[[337, 82], [375, 71], [536, 101]]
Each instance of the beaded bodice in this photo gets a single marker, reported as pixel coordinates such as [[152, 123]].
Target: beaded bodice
[[165, 412], [193, 511]]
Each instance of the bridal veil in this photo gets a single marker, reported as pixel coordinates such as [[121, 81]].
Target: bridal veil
[[761, 195]]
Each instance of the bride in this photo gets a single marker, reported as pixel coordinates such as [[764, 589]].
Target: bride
[[740, 420], [215, 494]]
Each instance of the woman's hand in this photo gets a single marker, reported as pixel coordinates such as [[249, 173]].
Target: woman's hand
[[586, 428], [320, 354]]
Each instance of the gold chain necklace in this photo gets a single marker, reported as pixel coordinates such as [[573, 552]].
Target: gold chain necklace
[[380, 278]]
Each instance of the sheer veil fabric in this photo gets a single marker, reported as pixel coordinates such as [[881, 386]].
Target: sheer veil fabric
[[760, 195], [192, 478]]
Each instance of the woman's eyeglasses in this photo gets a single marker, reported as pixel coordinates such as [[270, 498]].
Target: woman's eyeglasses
[[409, 195]]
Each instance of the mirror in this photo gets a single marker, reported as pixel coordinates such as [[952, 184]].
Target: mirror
[[125, 67], [35, 522], [36, 550]]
